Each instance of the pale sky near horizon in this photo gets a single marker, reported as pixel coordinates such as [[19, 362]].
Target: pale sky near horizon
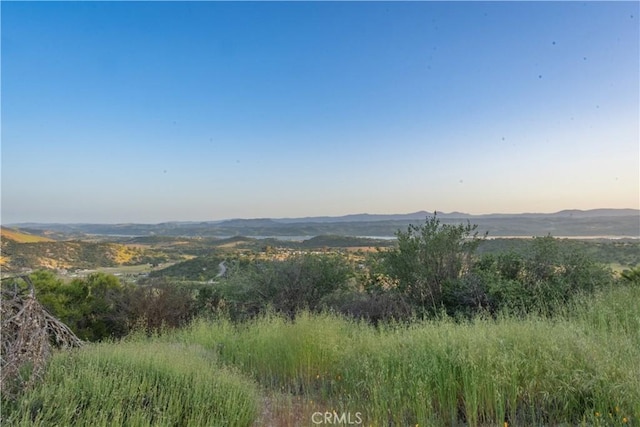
[[162, 111]]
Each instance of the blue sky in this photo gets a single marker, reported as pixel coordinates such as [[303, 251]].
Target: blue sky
[[161, 111]]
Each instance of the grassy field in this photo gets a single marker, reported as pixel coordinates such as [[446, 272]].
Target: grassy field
[[579, 368], [22, 237], [140, 382]]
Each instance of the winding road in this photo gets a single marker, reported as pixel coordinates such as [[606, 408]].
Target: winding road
[[222, 268]]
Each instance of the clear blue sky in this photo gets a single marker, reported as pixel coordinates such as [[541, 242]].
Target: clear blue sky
[[160, 111]]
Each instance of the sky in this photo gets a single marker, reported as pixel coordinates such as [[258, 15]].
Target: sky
[[192, 111]]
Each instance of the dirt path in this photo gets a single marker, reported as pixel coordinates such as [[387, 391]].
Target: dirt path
[[285, 410]]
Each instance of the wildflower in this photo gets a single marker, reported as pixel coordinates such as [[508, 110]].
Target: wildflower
[[318, 376], [597, 414], [624, 420], [506, 424]]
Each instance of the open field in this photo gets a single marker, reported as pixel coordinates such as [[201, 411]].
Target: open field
[[580, 368], [126, 269]]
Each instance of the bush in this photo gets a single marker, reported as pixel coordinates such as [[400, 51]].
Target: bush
[[94, 307], [542, 279], [288, 286], [159, 304], [428, 258], [631, 276], [374, 307], [99, 306]]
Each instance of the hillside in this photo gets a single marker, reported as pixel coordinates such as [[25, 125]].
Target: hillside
[[21, 236], [18, 256], [573, 223]]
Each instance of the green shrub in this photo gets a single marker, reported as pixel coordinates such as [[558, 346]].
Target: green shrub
[[94, 307], [288, 286], [427, 258]]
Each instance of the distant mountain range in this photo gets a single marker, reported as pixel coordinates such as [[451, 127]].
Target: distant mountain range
[[587, 223]]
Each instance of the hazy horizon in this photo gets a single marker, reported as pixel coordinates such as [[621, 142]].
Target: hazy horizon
[[427, 212], [149, 112]]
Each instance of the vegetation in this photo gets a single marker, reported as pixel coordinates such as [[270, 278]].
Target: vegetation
[[74, 255], [523, 371], [137, 382], [528, 371], [437, 330], [428, 259], [99, 306], [618, 252], [28, 334], [287, 286], [22, 236], [199, 269], [434, 268]]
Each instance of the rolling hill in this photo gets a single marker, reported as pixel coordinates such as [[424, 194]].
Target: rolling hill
[[571, 223], [21, 236]]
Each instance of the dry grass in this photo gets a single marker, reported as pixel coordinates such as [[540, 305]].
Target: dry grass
[[21, 237], [28, 333]]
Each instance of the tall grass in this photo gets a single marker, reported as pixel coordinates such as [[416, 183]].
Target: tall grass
[[581, 367], [137, 383], [576, 368]]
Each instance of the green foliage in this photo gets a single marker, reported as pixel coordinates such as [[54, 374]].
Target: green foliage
[[299, 282], [546, 275], [579, 368], [200, 268], [428, 257], [160, 304], [93, 307], [623, 252], [52, 293], [100, 306], [137, 383], [208, 301], [97, 307], [631, 275], [526, 370], [374, 306], [434, 268]]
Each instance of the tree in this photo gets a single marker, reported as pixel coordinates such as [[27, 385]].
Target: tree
[[52, 293], [300, 282], [94, 307], [428, 258], [98, 307]]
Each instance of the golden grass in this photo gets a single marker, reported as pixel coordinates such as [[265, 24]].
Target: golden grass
[[123, 254], [22, 237]]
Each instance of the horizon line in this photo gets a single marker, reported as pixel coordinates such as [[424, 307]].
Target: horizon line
[[429, 214]]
